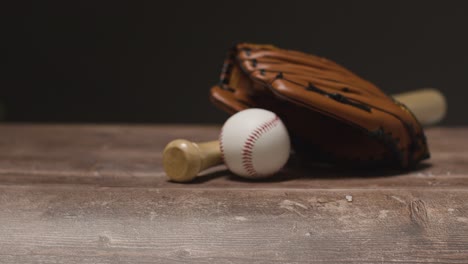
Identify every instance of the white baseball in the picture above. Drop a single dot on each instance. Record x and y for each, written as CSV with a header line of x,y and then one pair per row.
x,y
254,143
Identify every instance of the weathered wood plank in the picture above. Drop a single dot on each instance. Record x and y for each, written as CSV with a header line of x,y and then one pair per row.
x,y
70,224
131,156
97,194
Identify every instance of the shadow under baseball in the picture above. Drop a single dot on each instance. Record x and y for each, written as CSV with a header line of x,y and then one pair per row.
x,y
323,171
310,171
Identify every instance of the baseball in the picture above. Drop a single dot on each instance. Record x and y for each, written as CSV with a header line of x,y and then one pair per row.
x,y
254,143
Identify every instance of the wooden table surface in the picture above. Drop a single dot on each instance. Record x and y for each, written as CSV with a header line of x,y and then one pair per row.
x,y
98,194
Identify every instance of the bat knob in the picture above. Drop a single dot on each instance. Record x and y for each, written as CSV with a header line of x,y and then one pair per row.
x,y
428,105
183,160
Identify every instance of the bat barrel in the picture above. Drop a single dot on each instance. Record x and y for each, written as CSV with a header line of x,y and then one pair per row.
x,y
183,159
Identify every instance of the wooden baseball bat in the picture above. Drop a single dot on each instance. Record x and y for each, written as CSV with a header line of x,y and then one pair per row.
x,y
183,160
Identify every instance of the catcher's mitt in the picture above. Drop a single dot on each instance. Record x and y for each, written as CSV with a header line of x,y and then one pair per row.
x,y
330,112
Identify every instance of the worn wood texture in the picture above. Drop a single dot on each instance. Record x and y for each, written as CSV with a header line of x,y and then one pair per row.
x,y
97,194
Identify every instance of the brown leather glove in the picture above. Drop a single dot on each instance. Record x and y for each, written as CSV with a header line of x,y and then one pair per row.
x,y
331,113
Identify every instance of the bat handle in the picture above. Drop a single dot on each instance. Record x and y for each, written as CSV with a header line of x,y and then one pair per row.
x,y
428,105
183,159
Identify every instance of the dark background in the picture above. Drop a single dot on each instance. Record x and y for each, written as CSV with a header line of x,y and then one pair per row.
x,y
155,61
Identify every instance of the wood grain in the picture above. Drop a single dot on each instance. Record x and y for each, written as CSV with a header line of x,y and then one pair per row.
x,y
131,156
97,194
70,224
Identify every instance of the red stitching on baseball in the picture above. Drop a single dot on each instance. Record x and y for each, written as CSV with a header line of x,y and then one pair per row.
x,y
221,147
249,144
